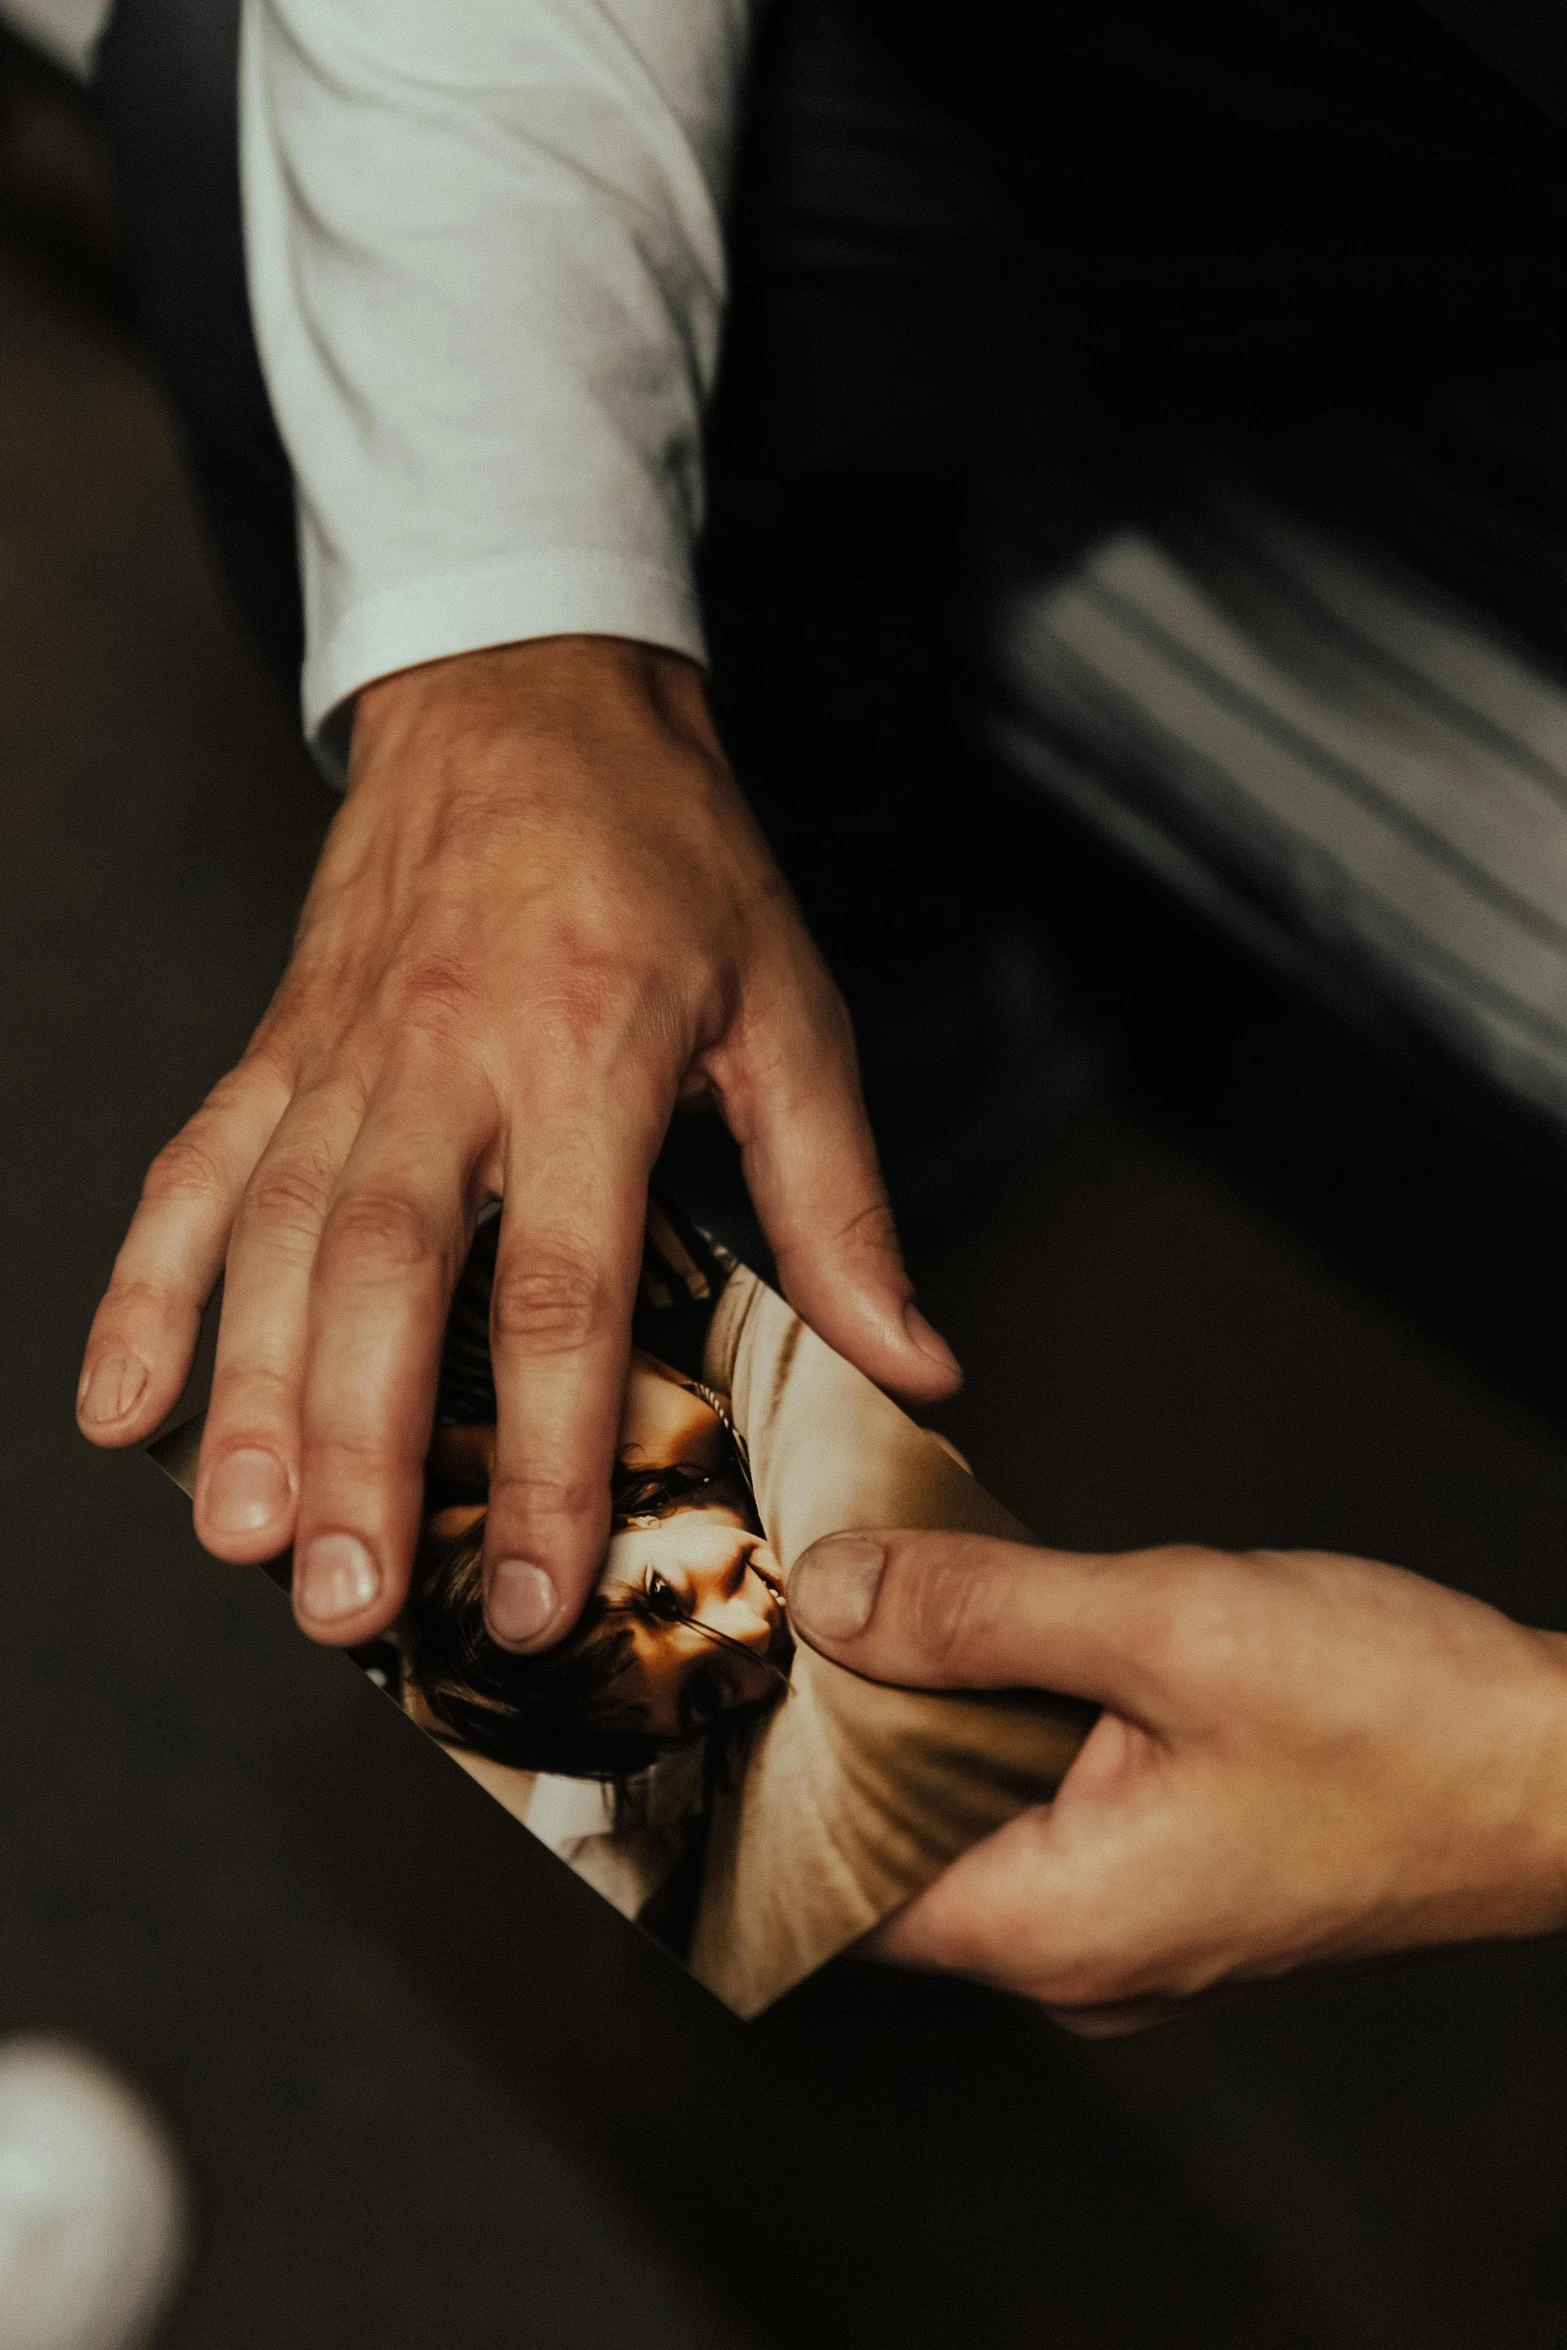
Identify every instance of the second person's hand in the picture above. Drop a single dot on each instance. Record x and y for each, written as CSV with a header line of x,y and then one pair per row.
x,y
1302,1759
542,916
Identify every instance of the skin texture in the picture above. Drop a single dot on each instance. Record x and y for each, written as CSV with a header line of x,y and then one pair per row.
x,y
542,916
1303,1759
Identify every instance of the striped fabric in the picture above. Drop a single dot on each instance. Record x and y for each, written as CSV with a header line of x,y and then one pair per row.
x,y
1325,752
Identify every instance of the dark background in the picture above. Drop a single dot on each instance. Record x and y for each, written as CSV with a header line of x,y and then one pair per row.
x,y
1217,1271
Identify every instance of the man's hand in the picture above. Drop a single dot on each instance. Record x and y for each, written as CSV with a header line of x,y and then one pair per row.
x,y
1302,1759
542,915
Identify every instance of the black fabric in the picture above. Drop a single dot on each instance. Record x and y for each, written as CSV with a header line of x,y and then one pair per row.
x,y
1525,40
1237,184
167,82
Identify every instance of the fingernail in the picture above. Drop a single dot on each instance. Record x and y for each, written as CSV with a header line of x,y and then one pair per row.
x,y
245,1492
110,1388
833,1588
521,1601
930,1342
335,1578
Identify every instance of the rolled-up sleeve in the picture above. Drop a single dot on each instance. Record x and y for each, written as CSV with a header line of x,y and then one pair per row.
x,y
487,270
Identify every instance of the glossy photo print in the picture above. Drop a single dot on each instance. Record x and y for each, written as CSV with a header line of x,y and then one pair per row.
x,y
752,1806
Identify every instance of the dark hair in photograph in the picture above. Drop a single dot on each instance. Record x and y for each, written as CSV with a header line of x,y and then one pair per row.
x,y
555,1712
558,1712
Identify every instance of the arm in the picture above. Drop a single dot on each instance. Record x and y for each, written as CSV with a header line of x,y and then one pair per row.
x,y
486,264
1302,1759
488,283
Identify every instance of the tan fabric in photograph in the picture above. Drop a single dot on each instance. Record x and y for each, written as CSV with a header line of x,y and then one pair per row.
x,y
853,1796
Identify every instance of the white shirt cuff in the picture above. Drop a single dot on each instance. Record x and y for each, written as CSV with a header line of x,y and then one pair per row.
x,y
501,602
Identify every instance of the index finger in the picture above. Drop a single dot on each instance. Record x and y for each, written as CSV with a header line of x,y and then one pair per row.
x,y
965,1611
144,1331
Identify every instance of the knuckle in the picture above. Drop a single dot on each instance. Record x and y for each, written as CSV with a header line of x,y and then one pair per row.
x,y
372,1233
1082,1975
606,1010
832,1019
186,1172
287,1203
133,1299
873,1232
947,1600
435,998
250,1398
266,1072
518,1495
1057,1937
575,1016
1078,1948
343,1461
548,1302
1196,1607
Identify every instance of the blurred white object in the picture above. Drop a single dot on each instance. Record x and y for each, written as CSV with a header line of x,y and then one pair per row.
x,y
1345,765
94,2211
67,29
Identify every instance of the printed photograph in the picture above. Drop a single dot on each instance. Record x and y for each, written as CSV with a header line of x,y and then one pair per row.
x,y
753,1807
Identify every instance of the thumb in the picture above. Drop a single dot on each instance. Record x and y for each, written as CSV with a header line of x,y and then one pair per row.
x,y
965,1611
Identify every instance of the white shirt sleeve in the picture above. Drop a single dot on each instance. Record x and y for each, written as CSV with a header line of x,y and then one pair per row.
x,y
487,270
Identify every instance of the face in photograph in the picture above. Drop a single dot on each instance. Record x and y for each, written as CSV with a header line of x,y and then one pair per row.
x,y
686,1631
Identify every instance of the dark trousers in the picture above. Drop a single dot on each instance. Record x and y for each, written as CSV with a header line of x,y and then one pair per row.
x,y
167,83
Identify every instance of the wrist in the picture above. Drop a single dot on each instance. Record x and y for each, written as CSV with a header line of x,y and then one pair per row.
x,y
565,688
1495,1841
